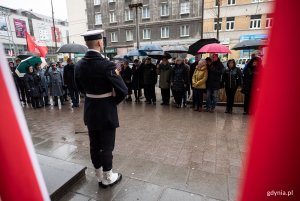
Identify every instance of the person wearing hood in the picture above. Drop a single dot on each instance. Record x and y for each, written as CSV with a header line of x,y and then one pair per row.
x,y
33,86
56,84
199,84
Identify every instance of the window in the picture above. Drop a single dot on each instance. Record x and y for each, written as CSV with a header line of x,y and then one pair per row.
x,y
128,15
164,9
129,35
145,12
98,19
96,2
185,8
255,22
114,37
184,30
164,32
217,2
111,1
269,21
112,17
231,2
146,34
216,24
256,1
229,23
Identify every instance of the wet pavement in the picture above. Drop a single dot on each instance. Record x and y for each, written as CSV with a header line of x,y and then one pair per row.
x,y
164,153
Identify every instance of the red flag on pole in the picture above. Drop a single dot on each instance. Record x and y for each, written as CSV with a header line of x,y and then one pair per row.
x,y
35,47
272,165
20,174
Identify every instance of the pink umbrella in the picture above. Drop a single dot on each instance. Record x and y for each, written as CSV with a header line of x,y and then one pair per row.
x,y
214,48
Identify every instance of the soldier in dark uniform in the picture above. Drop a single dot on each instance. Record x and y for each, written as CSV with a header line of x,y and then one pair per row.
x,y
104,88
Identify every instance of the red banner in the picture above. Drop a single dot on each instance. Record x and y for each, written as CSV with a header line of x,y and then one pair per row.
x,y
272,166
20,174
35,47
56,33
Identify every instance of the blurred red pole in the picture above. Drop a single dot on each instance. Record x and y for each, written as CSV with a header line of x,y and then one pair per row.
x,y
272,164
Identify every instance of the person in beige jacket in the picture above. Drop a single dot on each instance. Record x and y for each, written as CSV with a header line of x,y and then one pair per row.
x,y
198,81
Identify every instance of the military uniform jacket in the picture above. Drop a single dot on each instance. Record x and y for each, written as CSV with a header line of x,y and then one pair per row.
x,y
96,75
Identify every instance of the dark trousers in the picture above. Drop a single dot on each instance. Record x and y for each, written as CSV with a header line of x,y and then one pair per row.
x,y
24,93
178,95
55,99
44,100
149,91
165,94
198,98
230,93
137,93
247,100
74,96
35,102
102,144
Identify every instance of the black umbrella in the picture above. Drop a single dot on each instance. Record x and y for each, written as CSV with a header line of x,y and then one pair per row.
x,y
193,49
121,57
72,48
249,44
159,55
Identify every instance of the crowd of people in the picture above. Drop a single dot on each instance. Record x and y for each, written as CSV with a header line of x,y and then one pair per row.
x,y
178,78
39,83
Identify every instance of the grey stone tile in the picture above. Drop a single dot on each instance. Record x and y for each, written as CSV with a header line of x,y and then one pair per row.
x,y
64,151
138,168
74,197
88,186
171,176
233,186
138,190
47,147
209,184
178,195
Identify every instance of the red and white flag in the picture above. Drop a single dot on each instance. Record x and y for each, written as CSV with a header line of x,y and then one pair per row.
x,y
35,46
272,164
20,174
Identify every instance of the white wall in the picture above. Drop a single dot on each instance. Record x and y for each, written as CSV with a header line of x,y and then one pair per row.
x,y
77,19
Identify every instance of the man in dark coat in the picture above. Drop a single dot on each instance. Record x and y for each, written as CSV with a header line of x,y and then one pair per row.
x,y
69,81
25,95
150,79
213,83
104,88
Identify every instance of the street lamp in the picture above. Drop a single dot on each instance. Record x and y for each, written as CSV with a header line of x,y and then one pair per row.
x,y
136,6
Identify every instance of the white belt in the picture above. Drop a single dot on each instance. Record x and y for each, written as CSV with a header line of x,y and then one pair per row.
x,y
109,94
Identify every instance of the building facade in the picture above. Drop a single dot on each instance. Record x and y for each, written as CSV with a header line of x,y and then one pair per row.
x,y
14,24
239,20
163,22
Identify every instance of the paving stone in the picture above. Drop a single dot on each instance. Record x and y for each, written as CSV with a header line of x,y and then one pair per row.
x,y
209,184
139,190
178,195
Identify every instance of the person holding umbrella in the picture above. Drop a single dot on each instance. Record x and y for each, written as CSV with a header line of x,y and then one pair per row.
x,y
232,78
33,86
25,96
56,84
213,83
